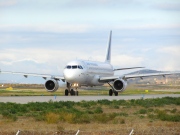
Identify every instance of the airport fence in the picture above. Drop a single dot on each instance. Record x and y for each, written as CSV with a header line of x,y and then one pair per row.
x,y
163,129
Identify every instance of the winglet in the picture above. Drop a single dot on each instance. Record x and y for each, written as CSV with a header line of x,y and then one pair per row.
x,y
108,55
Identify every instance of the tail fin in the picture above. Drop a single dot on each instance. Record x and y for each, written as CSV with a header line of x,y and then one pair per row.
x,y
108,55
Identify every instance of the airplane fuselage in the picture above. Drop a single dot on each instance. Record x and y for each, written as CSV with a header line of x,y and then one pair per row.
x,y
87,73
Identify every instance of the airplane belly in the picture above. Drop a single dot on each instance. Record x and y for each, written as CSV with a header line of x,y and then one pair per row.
x,y
86,79
95,80
81,79
91,80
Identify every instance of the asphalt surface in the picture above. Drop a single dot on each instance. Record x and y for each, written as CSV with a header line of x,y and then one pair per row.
x,y
26,99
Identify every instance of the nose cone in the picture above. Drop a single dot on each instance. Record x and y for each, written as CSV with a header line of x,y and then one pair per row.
x,y
70,75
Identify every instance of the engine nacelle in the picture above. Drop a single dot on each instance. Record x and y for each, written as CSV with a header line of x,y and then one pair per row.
x,y
119,85
51,85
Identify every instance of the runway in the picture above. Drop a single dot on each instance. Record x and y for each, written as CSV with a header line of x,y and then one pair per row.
x,y
26,99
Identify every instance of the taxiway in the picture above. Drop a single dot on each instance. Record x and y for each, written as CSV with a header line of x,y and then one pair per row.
x,y
26,99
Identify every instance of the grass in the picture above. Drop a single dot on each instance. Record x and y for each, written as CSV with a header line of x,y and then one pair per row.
x,y
103,115
38,90
70,112
64,115
60,92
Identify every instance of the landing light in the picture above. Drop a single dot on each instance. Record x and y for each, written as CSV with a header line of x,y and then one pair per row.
x,y
75,84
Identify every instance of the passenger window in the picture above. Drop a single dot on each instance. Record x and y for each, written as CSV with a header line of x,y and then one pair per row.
x,y
74,67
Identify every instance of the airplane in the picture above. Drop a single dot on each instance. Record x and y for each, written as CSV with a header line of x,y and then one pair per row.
x,y
79,73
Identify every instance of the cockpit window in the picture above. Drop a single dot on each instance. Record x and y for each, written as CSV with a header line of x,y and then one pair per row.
x,y
74,67
68,67
80,67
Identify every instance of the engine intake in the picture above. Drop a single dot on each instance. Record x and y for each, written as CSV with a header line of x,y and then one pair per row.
x,y
119,85
51,85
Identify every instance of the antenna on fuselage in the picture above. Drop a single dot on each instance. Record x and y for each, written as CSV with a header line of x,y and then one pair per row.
x,y
108,55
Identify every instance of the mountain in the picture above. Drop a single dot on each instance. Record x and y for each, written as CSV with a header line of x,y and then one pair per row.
x,y
144,71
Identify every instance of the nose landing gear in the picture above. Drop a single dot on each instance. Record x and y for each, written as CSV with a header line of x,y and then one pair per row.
x,y
70,91
74,92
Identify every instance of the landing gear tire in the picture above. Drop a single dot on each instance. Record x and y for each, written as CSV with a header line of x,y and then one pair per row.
x,y
76,93
115,93
66,92
110,92
72,92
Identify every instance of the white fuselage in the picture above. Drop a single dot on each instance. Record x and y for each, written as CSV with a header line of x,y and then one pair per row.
x,y
87,73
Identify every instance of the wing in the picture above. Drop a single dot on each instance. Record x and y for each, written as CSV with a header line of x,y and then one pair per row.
x,y
127,68
151,74
125,77
44,76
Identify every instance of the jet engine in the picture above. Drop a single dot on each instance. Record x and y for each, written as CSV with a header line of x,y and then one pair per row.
x,y
119,85
51,85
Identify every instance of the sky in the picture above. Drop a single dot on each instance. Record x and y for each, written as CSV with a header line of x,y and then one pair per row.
x,y
42,36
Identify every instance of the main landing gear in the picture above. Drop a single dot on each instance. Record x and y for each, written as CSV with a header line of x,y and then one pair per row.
x,y
70,91
112,91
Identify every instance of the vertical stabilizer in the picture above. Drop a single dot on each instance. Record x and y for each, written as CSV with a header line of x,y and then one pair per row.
x,y
108,55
